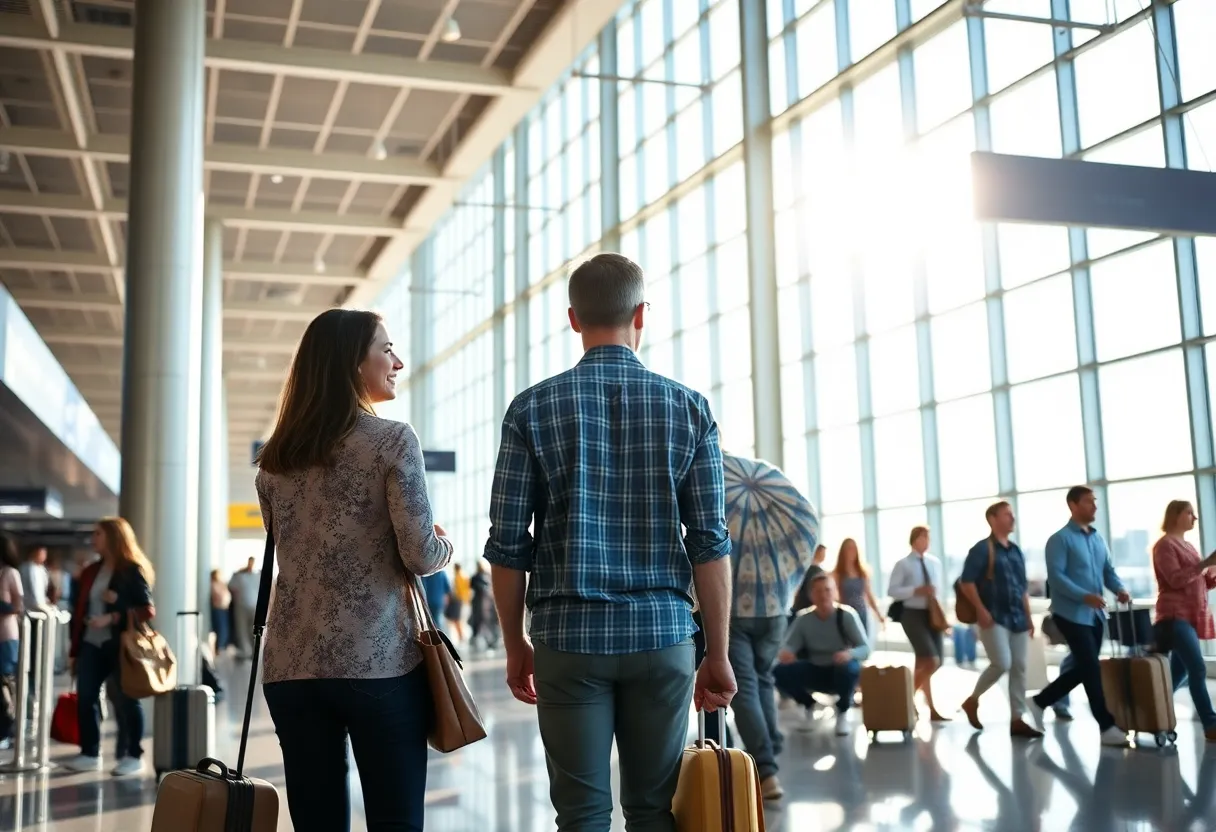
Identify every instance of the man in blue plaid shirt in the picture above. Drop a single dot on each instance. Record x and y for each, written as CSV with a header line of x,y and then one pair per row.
x,y
598,471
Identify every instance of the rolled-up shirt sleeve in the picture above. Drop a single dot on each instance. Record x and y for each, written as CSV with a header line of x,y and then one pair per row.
x,y
512,502
702,500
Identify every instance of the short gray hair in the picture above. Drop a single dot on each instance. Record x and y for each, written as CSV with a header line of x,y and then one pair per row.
x,y
606,290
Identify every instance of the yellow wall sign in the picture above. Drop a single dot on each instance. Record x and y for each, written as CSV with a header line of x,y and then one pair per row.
x,y
244,516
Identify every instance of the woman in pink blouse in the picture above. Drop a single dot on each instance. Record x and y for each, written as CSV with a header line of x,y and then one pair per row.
x,y
1183,617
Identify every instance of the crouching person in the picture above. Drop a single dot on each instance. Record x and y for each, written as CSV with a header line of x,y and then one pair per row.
x,y
823,653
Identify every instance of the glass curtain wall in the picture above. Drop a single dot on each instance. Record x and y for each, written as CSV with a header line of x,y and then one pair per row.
x,y
929,364
954,363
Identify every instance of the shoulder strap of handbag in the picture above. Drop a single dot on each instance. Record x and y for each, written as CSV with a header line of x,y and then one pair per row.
x,y
259,625
991,557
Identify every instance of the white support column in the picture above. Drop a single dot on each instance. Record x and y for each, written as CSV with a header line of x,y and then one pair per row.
x,y
162,350
213,443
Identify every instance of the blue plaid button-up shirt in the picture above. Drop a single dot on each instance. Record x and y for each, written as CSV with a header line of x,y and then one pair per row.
x,y
598,469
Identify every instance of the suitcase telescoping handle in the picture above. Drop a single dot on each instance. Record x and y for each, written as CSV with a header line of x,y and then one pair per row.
x,y
1116,636
720,713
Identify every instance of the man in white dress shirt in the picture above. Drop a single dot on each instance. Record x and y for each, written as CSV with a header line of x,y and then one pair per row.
x,y
916,582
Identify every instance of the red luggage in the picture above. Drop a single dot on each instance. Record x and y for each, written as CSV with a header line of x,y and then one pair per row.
x,y
65,722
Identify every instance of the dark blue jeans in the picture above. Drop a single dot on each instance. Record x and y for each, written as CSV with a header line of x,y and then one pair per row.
x,y
94,665
1187,665
387,721
221,622
1084,643
798,680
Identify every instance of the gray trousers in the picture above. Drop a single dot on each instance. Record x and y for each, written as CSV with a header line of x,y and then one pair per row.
x,y
242,629
585,700
754,645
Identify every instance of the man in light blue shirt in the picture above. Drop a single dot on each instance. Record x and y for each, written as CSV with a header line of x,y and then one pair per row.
x,y
1078,570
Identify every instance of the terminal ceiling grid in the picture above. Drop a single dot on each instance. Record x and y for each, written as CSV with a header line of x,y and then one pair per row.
x,y
327,121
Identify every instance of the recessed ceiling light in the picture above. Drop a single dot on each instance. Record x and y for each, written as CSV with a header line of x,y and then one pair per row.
x,y
276,178
379,151
451,31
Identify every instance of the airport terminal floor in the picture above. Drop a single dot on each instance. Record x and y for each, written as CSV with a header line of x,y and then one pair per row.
x,y
946,778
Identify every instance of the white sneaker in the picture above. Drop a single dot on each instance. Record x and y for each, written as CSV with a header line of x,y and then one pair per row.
x,y
843,728
1114,737
127,766
83,763
807,724
1035,713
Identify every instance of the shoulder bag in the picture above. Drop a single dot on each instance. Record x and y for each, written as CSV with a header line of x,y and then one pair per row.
x,y
457,722
147,666
937,616
964,610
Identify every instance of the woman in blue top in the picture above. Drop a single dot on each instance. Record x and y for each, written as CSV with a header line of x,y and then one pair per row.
x,y
994,580
852,576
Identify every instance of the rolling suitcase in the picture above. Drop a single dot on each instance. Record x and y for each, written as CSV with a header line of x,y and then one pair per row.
x,y
719,788
212,797
1139,690
886,700
183,722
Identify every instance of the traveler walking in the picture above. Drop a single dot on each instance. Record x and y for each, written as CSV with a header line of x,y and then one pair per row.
x,y
12,607
1183,616
774,530
114,589
1078,569
458,598
915,582
243,589
344,494
852,577
994,580
599,470
221,603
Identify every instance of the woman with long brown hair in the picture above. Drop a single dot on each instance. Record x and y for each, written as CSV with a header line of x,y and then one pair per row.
x,y
852,575
114,588
344,494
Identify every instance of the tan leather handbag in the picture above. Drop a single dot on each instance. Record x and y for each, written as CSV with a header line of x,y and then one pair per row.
x,y
457,722
147,666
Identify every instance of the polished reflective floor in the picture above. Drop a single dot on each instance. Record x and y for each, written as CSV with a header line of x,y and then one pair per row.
x,y
947,778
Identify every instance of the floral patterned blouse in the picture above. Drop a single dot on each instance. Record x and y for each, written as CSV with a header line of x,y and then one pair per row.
x,y
345,538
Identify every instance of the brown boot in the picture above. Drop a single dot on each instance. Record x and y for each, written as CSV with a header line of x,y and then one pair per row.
x,y
1020,728
971,707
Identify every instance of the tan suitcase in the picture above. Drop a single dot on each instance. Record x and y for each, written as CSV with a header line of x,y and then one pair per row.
x,y
1139,694
886,700
211,798
719,788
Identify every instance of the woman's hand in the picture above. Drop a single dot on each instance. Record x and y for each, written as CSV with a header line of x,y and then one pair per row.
x,y
110,596
100,622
